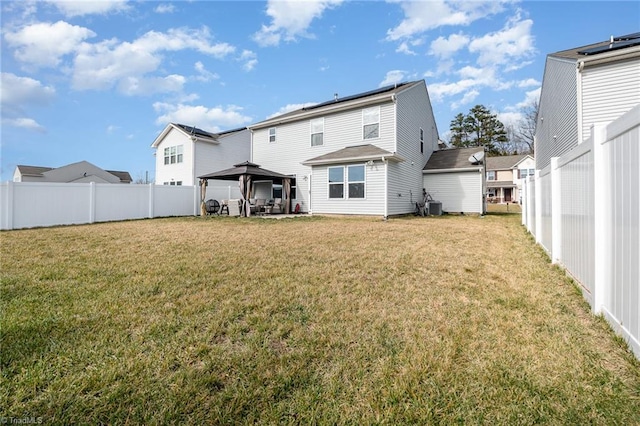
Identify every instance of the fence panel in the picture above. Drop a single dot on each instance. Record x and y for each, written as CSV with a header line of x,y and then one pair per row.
x,y
546,204
176,201
121,202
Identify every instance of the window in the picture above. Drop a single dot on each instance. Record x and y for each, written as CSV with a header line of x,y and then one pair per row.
x,y
355,174
173,154
355,181
336,182
371,123
523,173
272,134
421,141
276,191
491,175
173,183
294,187
317,132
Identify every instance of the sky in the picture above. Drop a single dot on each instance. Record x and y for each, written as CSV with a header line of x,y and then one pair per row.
x,y
98,81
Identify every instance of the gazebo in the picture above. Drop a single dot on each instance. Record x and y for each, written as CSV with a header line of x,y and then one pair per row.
x,y
244,173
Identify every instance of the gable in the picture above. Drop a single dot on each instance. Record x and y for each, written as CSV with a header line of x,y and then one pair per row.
x,y
79,172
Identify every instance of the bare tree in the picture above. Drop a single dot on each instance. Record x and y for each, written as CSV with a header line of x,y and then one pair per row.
x,y
523,134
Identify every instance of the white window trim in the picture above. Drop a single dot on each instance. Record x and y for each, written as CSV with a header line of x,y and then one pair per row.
x,y
364,111
274,135
175,151
329,183
345,182
494,174
364,182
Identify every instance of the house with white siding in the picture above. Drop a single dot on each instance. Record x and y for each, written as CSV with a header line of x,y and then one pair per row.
x,y
585,86
80,172
185,152
455,178
360,154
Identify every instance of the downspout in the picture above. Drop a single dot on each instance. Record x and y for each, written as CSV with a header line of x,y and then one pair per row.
x,y
579,68
193,161
386,189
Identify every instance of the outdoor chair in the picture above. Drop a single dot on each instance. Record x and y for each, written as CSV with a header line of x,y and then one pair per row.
x,y
277,206
234,207
212,206
224,206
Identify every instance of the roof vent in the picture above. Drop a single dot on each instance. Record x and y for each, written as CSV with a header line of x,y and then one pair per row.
x,y
335,96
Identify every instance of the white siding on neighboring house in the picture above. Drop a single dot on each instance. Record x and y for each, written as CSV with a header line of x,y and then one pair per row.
x,y
405,183
556,129
178,172
608,91
459,192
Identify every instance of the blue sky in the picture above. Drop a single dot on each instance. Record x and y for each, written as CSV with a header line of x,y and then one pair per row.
x,y
98,81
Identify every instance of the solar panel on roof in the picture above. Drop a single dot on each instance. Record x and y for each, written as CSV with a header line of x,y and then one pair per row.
x,y
358,96
616,45
627,37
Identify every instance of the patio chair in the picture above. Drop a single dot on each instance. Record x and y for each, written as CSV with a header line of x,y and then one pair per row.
x,y
234,207
278,208
224,206
212,206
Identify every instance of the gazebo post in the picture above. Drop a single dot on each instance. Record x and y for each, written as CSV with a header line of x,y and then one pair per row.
x,y
203,195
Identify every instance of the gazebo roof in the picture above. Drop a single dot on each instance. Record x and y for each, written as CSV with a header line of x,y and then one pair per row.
x,y
241,169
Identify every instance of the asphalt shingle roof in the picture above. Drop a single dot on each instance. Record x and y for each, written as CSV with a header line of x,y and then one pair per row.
x,y
504,162
353,153
452,158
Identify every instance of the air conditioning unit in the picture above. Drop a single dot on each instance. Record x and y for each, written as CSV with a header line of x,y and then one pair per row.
x,y
435,208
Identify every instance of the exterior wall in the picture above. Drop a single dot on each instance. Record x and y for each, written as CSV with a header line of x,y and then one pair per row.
x,y
558,111
609,91
459,192
405,181
372,204
293,146
179,172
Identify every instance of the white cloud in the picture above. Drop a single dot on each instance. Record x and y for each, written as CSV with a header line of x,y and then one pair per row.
x,y
213,119
250,60
24,123
421,16
22,91
203,74
71,8
392,77
531,97
165,8
133,86
468,98
291,107
513,42
446,47
438,91
102,65
404,48
44,44
530,82
291,19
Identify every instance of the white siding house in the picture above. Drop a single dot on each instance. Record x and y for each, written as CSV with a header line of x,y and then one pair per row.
x,y
505,175
583,86
80,172
361,154
184,152
455,177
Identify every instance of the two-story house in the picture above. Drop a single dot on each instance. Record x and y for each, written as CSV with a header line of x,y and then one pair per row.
x,y
80,172
185,152
505,175
360,154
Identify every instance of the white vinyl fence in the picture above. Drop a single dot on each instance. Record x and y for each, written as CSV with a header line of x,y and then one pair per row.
x,y
584,209
34,204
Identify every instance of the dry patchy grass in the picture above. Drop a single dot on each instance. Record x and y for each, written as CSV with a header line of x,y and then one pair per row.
x,y
306,320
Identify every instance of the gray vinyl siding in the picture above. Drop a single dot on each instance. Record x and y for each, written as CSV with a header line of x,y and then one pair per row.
x,y
293,146
372,204
558,112
232,149
405,181
459,192
609,91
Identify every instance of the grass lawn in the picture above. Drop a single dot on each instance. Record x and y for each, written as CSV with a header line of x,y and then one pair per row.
x,y
452,319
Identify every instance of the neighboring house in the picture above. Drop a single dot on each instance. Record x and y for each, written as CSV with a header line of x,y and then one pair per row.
x,y
80,172
505,175
455,177
361,154
185,152
593,84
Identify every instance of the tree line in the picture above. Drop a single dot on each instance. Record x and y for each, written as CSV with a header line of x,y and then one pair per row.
x,y
482,128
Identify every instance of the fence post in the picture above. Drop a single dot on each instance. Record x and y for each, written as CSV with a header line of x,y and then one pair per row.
x,y
538,212
92,202
602,218
151,200
525,202
556,212
7,206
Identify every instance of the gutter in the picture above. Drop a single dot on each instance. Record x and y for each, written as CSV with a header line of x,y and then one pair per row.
x,y
465,169
393,157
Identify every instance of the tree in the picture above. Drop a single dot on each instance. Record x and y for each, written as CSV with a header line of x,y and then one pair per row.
x,y
479,128
525,131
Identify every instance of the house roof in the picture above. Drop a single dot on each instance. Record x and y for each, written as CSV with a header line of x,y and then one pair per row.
x,y
371,96
505,162
124,177
241,169
592,51
195,133
353,154
500,184
452,158
32,170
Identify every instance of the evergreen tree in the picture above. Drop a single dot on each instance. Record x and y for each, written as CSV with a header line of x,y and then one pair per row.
x,y
479,128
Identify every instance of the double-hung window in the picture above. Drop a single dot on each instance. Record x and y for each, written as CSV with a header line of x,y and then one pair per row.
x,y
371,123
173,154
491,175
272,134
355,180
317,131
